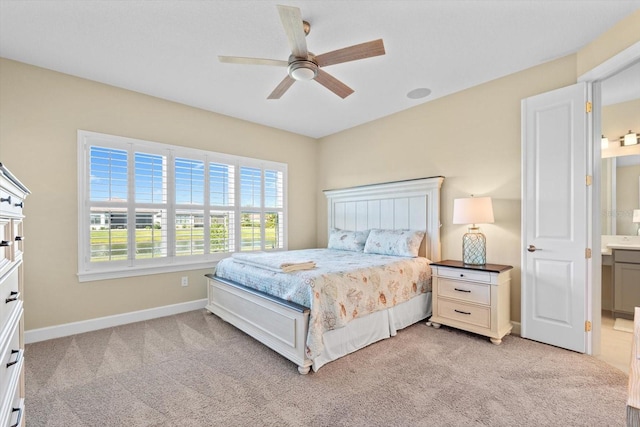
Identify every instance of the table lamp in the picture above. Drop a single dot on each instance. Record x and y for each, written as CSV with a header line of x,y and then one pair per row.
x,y
472,211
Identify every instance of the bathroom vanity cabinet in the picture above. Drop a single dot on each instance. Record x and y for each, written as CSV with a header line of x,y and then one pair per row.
x,y
626,282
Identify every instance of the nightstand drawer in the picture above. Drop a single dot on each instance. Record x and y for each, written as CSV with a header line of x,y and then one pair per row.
x,y
462,274
472,314
465,291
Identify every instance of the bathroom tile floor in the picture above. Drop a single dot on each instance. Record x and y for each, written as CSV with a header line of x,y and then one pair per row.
x,y
615,346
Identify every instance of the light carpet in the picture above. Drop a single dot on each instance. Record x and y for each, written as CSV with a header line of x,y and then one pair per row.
x,y
624,325
193,369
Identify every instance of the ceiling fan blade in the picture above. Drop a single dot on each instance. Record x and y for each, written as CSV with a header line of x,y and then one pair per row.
x,y
333,84
292,22
351,53
281,88
252,61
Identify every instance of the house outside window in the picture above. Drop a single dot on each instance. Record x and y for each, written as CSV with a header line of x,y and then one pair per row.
x,y
147,207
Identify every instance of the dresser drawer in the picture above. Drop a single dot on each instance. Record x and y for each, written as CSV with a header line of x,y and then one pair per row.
x,y
468,313
458,273
16,412
12,409
17,236
9,295
10,360
464,291
5,245
10,204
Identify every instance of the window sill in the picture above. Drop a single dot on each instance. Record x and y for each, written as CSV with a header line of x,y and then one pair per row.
x,y
91,276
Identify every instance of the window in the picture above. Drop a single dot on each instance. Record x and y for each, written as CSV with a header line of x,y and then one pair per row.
x,y
146,207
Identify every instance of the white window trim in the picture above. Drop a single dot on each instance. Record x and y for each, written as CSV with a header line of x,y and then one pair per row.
x,y
88,271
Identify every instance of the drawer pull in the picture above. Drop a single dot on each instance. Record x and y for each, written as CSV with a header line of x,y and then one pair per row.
x,y
19,238
18,354
5,243
19,205
462,290
19,411
462,312
13,296
461,275
5,199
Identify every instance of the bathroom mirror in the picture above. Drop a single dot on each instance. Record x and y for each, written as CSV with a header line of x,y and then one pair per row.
x,y
620,194
620,165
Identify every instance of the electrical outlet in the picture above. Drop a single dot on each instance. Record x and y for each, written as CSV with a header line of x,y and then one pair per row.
x,y
185,281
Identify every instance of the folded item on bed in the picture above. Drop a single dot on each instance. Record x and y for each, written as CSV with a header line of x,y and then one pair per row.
x,y
344,285
285,262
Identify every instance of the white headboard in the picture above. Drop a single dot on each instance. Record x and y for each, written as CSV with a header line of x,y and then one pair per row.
x,y
412,204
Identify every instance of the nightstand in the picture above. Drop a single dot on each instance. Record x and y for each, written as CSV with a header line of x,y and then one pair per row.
x,y
474,298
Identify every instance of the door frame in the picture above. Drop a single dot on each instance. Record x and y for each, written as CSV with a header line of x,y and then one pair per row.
x,y
594,78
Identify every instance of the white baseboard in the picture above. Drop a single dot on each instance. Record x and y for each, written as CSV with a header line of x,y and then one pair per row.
x,y
59,331
516,328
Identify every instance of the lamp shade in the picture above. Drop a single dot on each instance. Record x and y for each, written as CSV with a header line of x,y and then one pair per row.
x,y
473,210
636,215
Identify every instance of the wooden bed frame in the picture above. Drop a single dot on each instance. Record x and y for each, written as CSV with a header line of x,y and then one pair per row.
x,y
283,325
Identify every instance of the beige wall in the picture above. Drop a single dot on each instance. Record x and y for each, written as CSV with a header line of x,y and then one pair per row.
x,y
618,119
472,138
619,37
41,111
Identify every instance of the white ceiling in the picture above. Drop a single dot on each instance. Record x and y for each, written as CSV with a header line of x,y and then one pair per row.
x,y
169,49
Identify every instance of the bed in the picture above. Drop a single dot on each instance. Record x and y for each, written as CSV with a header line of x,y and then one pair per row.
x,y
282,321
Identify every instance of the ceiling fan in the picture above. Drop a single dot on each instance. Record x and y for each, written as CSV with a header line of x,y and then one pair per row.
x,y
304,65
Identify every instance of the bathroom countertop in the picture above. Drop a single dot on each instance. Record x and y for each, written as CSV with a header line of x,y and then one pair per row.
x,y
628,246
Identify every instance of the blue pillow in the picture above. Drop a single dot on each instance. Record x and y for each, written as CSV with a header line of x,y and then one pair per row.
x,y
394,242
347,240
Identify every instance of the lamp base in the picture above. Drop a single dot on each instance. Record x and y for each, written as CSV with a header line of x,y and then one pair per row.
x,y
474,248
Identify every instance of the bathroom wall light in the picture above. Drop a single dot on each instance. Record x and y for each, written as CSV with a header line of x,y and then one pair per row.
x,y
629,139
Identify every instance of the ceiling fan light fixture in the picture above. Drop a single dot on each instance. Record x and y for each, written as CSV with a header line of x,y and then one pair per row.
x,y
303,70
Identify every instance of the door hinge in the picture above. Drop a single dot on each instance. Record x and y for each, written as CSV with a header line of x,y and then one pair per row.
x,y
589,179
588,106
587,326
587,253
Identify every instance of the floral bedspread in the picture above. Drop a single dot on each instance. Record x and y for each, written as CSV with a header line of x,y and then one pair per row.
x,y
343,286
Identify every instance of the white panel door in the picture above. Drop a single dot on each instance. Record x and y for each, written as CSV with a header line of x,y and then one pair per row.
x,y
554,217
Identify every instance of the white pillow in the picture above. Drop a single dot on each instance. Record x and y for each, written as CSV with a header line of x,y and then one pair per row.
x,y
347,240
394,242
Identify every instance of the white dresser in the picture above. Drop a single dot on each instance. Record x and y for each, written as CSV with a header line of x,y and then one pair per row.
x,y
12,195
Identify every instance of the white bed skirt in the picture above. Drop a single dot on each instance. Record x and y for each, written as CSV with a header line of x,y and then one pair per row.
x,y
283,326
374,327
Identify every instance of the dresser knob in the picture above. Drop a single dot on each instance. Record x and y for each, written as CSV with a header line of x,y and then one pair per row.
x,y
5,199
461,275
5,243
18,205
